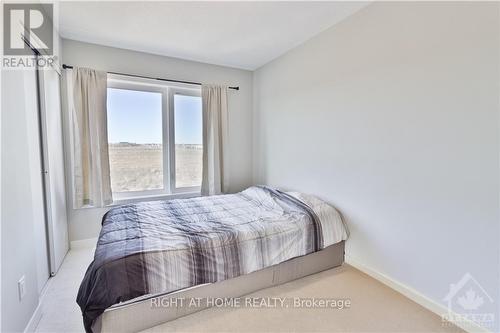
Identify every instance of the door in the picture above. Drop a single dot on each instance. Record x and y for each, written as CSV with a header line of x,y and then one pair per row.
x,y
33,128
50,103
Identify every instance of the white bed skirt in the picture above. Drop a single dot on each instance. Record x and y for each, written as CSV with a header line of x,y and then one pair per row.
x,y
142,314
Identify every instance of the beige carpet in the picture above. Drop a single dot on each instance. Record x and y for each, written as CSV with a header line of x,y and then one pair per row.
x,y
374,307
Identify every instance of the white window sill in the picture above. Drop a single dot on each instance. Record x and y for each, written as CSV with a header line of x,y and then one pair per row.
x,y
121,201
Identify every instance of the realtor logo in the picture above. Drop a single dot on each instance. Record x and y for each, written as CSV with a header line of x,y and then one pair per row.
x,y
466,300
26,23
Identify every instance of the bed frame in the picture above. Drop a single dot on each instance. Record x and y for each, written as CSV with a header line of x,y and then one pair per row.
x,y
142,314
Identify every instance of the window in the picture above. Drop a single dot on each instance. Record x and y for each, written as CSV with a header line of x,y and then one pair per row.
x,y
187,160
155,138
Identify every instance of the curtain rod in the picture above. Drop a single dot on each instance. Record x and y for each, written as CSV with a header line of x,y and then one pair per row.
x,y
152,78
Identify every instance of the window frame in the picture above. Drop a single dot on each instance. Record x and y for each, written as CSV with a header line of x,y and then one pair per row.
x,y
167,92
172,91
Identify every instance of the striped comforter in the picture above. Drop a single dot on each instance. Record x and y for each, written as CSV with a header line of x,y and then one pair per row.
x,y
161,246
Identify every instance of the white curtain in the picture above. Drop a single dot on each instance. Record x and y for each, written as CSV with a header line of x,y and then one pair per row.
x,y
215,140
87,92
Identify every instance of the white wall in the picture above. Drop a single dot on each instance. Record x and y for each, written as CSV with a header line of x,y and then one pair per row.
x,y
23,229
393,116
85,223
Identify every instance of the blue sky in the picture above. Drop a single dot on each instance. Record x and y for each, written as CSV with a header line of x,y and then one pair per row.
x,y
188,120
135,116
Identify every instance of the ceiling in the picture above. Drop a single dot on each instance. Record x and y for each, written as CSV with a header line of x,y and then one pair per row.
x,y
244,35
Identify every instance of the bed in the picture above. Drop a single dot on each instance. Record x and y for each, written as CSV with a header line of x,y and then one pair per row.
x,y
218,246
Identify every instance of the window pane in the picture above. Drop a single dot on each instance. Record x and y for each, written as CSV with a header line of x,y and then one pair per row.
x,y
135,140
188,140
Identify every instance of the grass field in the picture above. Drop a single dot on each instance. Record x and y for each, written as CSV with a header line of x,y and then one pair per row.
x,y
139,167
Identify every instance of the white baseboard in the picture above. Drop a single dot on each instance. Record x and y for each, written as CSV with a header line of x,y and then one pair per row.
x,y
83,243
34,320
417,297
37,314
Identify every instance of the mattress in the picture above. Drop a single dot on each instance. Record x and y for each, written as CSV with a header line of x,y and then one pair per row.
x,y
158,247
